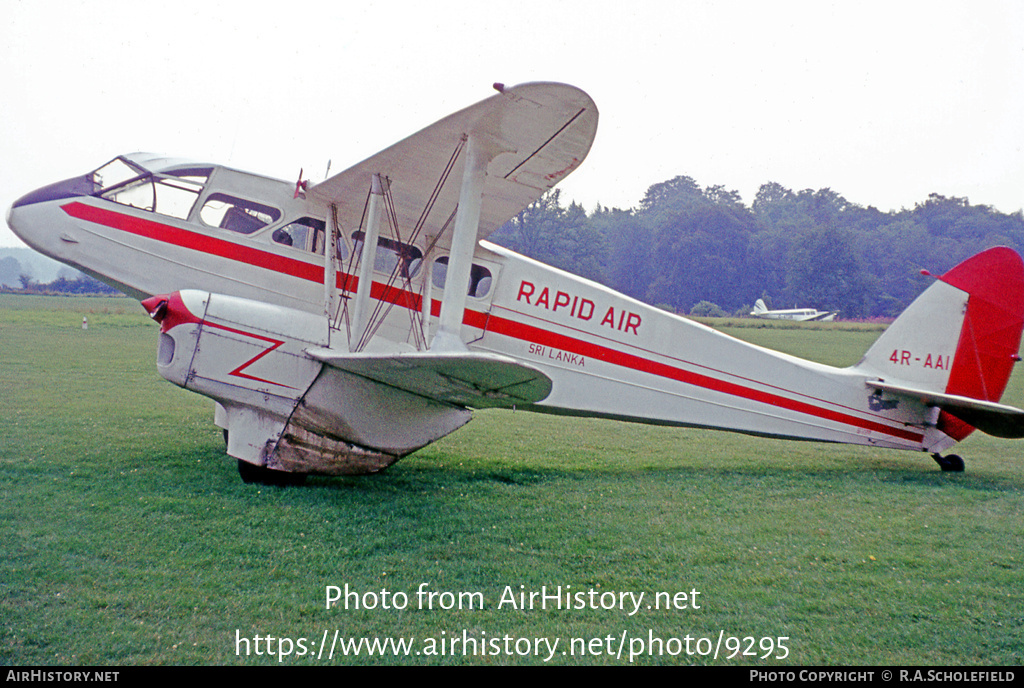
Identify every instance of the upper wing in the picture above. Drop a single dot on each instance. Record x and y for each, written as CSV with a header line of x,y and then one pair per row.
x,y
998,420
477,380
546,130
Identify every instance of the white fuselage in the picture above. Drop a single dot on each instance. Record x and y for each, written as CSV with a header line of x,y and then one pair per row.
x,y
608,355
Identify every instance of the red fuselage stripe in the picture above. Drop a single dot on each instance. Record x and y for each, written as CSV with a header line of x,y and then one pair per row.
x,y
195,241
517,330
492,323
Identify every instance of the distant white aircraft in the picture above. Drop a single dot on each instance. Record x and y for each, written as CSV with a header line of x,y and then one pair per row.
x,y
342,325
801,314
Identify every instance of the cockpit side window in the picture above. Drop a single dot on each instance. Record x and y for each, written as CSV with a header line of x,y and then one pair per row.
x,y
237,214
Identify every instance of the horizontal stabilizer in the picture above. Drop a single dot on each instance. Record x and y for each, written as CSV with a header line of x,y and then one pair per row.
x,y
476,380
993,419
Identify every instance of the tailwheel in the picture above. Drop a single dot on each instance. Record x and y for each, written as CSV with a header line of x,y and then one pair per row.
x,y
261,475
952,463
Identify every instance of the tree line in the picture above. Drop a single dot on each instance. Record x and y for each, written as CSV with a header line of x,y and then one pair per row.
x,y
70,282
686,245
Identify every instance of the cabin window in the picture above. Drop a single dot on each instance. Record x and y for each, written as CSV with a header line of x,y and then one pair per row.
x,y
237,214
172,194
392,255
299,234
479,277
307,234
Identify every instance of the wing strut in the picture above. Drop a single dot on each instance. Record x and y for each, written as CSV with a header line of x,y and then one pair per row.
x,y
368,259
464,239
331,267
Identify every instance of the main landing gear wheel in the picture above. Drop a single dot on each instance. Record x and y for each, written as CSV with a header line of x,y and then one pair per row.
x,y
261,475
951,463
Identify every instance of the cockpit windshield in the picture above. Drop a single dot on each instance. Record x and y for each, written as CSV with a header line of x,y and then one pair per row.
x,y
172,193
115,173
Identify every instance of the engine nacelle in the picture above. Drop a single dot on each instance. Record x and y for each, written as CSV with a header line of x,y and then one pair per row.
x,y
282,408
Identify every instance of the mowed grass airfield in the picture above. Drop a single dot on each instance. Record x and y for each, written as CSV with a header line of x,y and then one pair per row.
x,y
127,536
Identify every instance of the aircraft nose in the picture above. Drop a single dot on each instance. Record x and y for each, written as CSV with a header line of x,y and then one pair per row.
x,y
68,188
14,216
39,223
29,220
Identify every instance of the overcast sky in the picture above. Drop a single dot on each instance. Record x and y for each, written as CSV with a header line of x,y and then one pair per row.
x,y
884,102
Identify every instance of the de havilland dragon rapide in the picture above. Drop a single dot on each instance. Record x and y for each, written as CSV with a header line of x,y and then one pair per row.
x,y
339,326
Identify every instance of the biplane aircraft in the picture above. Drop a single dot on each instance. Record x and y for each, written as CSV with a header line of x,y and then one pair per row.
x,y
342,325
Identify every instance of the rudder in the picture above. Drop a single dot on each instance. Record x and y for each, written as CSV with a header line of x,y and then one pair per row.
x,y
961,336
991,332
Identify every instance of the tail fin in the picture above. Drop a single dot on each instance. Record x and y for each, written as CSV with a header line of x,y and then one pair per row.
x,y
759,307
960,337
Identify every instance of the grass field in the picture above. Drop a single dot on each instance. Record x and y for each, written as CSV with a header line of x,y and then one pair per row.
x,y
127,537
